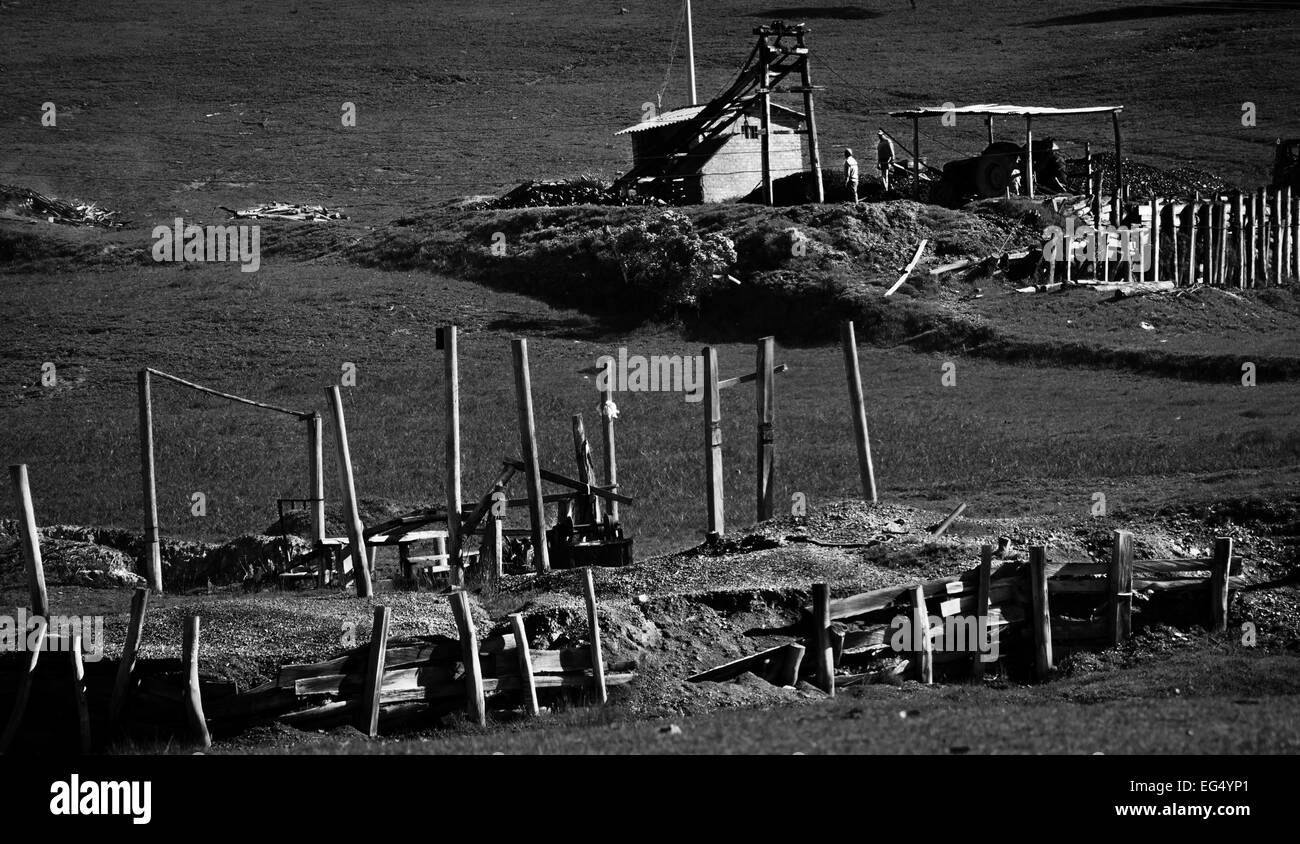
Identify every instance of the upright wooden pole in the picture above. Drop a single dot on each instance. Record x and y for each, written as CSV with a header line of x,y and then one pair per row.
x,y
1261,238
593,631
36,644
316,478
823,656
1029,156
1120,583
765,388
347,484
1239,221
476,706
126,665
988,122
528,443
152,544
78,667
1173,242
607,413
1295,238
1211,244
814,148
1041,620
1251,252
1155,239
193,696
373,682
1220,571
586,510
923,653
1279,234
497,540
713,445
982,593
30,541
858,411
916,158
765,98
451,386
1192,211
525,659
1119,169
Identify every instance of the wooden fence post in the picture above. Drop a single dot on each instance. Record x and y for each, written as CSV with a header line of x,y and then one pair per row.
x,y
1223,244
823,657
193,696
1175,263
1261,239
1275,227
1239,220
766,403
528,443
1295,238
316,479
1155,239
126,665
497,539
924,658
356,531
1220,570
1193,210
713,483
525,659
982,604
25,684
451,387
1041,620
593,630
373,682
607,413
79,693
476,706
858,411
30,541
152,544
1120,582
586,507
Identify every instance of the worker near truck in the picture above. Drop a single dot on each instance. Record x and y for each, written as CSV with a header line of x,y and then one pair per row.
x,y
884,157
851,174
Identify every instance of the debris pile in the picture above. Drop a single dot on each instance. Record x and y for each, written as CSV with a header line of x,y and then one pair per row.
x,y
25,202
285,211
1143,180
557,194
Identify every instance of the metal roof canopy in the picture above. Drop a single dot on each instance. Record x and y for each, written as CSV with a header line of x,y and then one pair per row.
x,y
680,115
992,109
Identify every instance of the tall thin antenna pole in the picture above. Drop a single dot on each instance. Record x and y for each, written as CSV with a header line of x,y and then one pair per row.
x,y
690,53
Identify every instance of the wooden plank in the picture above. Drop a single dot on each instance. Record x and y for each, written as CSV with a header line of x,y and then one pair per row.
x,y
756,662
907,271
1219,583
528,444
785,670
352,515
148,477
823,658
924,658
1071,569
24,684
713,495
474,689
125,665
525,664
952,517
368,712
549,661
1041,624
593,631
193,695
500,684
471,522
580,487
765,400
982,601
79,693
1120,583
607,412
728,383
451,449
29,541
858,411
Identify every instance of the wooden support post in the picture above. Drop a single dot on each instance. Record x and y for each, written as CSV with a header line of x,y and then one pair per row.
x,y
316,478
593,631
982,606
586,511
1155,239
607,413
814,149
1117,200
1041,619
497,540
823,655
1098,228
78,666
1029,156
988,121
193,696
1120,583
858,411
30,541
152,544
1252,251
525,658
923,644
476,706
1221,255
373,682
1278,236
765,388
36,644
1192,211
765,97
528,443
1259,276
1210,244
1239,221
1173,243
1295,239
1220,569
916,158
347,484
451,387
713,445
126,665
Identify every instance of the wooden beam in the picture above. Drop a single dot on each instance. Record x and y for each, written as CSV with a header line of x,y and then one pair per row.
x,y
524,656
316,478
1029,156
765,398
952,517
126,665
713,445
193,696
773,664
858,411
923,658
1040,621
572,483
823,658
593,631
79,694
347,484
451,447
476,706
1120,580
907,271
982,603
528,444
1219,572
152,545
607,412
37,644
727,383
586,509
368,711
29,540
765,102
1118,198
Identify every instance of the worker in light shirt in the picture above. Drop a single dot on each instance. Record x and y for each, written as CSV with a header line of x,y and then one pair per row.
x,y
851,174
884,157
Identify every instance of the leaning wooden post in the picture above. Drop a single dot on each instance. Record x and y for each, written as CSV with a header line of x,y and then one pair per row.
x,y
36,645
713,445
608,412
356,531
1193,209
525,660
152,545
30,541
823,656
193,696
528,443
593,631
126,665
373,682
1120,583
1155,239
475,704
1041,620
451,385
766,451
858,410
982,589
316,477
586,509
1119,168
79,693
1220,571
922,643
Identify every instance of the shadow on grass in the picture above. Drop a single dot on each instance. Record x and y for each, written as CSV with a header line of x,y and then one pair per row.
x,y
1147,11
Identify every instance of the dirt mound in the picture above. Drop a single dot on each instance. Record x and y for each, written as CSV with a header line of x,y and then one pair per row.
x,y
70,562
1146,181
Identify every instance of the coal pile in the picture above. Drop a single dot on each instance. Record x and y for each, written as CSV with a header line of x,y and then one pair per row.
x,y
559,194
1145,181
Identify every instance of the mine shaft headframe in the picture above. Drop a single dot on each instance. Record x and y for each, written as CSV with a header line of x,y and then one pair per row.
x,y
779,30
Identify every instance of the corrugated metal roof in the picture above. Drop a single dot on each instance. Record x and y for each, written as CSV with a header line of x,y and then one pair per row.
x,y
680,115
994,108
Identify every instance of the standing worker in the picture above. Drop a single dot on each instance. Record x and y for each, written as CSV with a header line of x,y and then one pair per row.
x,y
851,174
884,157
